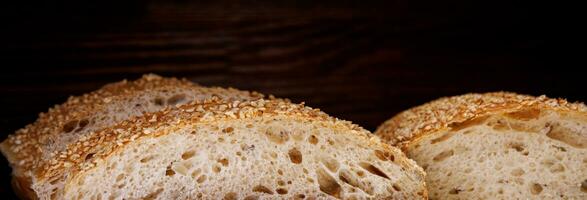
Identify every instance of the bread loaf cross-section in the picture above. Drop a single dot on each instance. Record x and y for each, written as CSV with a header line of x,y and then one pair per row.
x,y
231,150
496,146
163,138
83,115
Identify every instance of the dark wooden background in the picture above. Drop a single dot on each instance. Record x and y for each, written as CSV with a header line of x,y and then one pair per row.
x,y
361,61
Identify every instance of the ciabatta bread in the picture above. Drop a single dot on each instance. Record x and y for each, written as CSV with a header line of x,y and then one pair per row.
x,y
496,146
231,150
83,115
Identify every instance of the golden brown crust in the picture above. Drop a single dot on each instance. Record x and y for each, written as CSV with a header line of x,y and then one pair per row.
x,y
439,114
24,149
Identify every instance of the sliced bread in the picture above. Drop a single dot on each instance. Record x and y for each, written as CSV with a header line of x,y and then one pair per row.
x,y
231,150
81,116
496,146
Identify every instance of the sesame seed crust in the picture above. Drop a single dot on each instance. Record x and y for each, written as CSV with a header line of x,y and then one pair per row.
x,y
438,114
107,141
25,148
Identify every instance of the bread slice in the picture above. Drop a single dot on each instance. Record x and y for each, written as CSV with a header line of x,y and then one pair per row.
x,y
82,115
263,149
496,146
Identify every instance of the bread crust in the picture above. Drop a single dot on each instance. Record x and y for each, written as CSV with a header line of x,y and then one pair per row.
x,y
410,125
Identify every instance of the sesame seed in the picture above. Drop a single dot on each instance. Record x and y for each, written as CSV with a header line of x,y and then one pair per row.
x,y
147,131
153,119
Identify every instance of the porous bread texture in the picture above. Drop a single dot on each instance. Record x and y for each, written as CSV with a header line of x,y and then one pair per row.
x,y
80,116
520,148
232,150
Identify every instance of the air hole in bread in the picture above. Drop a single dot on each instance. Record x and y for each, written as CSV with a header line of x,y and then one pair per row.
x,y
519,147
348,178
313,139
280,172
146,159
454,191
535,188
251,197
557,168
154,195
384,156
567,136
262,189
281,191
548,162
280,183
455,126
169,171
188,154
360,173
330,142
216,169
584,186
89,156
228,130
196,172
517,172
330,163
300,196
83,123
441,138
498,125
373,170
158,101
328,184
396,187
120,177
230,196
295,156
278,137
201,179
443,155
69,126
562,149
176,99
223,161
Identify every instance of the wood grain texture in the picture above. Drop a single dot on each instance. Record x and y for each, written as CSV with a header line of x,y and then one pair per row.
x,y
358,61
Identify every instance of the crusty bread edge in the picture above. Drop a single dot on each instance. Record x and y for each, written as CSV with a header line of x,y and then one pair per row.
x,y
409,126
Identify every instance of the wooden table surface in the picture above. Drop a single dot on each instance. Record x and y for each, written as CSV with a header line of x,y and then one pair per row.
x,y
362,62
